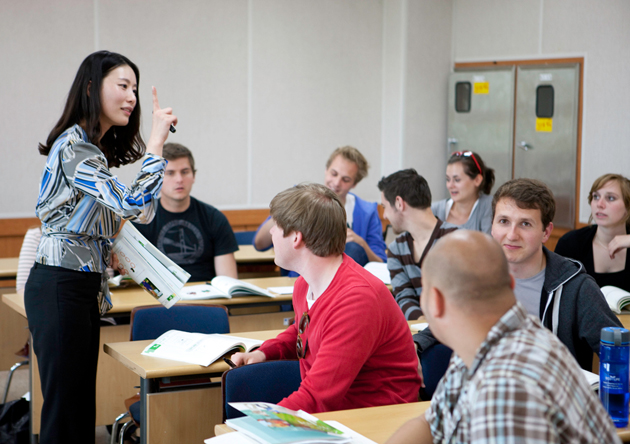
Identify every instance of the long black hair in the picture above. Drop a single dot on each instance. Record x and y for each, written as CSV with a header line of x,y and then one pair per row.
x,y
121,144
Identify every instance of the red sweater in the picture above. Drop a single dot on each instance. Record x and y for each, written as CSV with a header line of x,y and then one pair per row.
x,y
360,350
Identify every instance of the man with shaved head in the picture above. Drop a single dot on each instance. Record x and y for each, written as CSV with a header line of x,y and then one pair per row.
x,y
510,379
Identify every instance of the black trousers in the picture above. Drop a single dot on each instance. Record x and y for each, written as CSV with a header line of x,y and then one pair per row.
x,y
63,317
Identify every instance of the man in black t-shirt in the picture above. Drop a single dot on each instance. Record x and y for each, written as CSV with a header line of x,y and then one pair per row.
x,y
195,235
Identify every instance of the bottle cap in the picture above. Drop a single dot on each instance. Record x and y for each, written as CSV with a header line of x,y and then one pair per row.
x,y
615,336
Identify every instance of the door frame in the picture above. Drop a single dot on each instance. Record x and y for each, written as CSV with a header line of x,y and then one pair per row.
x,y
542,62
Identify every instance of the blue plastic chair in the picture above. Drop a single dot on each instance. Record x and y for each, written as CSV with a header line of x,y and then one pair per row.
x,y
434,362
269,381
244,237
149,322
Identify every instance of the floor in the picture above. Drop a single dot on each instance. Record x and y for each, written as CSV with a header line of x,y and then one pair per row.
x,y
19,386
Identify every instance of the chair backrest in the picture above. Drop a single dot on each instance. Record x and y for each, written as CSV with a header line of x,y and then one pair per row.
x,y
244,237
434,362
269,381
149,322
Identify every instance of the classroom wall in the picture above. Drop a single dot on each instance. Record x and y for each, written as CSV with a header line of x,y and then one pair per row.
x,y
486,30
264,90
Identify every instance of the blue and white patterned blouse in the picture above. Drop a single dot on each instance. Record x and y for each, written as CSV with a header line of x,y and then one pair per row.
x,y
81,204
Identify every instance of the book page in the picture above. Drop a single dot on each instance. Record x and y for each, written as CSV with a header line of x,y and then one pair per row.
x,y
591,378
248,343
131,232
616,297
379,269
194,348
281,290
233,286
200,292
149,276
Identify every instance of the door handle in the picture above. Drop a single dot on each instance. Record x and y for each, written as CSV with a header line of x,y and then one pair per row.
x,y
449,144
525,146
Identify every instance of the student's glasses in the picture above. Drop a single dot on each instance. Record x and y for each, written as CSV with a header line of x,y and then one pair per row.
x,y
467,154
301,347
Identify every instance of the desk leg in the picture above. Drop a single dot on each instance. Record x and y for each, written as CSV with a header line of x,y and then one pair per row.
x,y
34,439
146,386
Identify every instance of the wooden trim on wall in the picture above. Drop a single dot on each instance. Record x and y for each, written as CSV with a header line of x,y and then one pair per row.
x,y
12,231
555,61
246,220
486,65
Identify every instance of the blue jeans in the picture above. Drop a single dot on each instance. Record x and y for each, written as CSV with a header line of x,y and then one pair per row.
x,y
356,252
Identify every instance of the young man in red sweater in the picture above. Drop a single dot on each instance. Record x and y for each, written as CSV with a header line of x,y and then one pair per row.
x,y
353,342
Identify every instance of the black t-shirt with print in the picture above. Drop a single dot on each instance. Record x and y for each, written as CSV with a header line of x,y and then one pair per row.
x,y
192,238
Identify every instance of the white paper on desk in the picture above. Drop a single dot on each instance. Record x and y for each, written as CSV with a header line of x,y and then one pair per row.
x,y
356,437
379,269
281,290
231,438
420,326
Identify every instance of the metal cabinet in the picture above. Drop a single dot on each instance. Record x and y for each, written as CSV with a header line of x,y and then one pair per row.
x,y
523,121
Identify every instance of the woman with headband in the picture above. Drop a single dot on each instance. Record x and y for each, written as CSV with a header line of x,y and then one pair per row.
x,y
469,182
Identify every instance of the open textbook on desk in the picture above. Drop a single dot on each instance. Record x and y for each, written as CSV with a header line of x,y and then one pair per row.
x,y
223,287
271,424
617,298
148,266
197,348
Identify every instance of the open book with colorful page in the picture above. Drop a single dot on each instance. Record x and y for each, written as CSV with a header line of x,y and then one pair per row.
x,y
271,424
223,287
197,348
148,266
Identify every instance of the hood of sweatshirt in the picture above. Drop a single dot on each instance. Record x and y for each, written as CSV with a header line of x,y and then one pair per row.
x,y
559,270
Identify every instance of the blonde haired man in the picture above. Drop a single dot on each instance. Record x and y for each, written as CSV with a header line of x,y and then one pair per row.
x,y
345,168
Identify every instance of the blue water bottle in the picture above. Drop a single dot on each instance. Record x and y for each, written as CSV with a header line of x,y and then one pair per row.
x,y
614,371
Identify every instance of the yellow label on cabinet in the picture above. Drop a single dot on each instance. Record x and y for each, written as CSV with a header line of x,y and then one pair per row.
x,y
481,88
544,125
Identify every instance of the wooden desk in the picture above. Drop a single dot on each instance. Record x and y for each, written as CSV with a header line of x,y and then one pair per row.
x,y
8,268
379,423
115,383
252,263
185,415
247,254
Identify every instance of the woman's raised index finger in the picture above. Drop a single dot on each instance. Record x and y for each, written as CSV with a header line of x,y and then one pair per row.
x,y
156,104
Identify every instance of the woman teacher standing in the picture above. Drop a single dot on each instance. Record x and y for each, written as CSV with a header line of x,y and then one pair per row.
x,y
469,182
603,247
81,204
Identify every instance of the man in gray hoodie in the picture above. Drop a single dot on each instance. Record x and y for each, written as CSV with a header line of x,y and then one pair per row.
x,y
551,287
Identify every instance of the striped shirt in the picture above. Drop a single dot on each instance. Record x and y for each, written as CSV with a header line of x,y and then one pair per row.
x,y
405,273
523,386
81,204
28,252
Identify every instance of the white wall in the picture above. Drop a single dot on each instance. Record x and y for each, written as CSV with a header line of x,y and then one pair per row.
x,y
264,90
486,30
